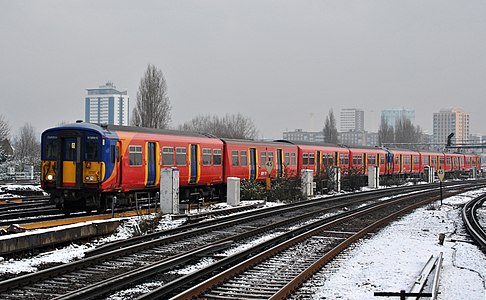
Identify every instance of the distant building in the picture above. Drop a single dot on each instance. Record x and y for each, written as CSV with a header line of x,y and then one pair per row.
x,y
304,136
352,120
451,121
358,138
107,105
392,115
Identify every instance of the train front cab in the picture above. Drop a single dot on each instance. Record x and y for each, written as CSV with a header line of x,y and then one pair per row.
x,y
72,167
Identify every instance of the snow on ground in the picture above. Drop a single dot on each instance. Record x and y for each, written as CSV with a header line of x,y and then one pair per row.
x,y
75,251
11,188
389,261
393,258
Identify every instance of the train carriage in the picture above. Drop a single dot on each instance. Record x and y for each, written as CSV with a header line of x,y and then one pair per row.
x,y
364,157
246,159
321,157
405,161
85,165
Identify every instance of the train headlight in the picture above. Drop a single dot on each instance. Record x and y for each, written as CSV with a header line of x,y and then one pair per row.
x,y
50,177
91,178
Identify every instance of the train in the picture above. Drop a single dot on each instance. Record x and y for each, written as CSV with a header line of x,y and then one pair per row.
x,y
85,166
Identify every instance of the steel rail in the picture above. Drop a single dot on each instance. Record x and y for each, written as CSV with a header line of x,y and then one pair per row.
x,y
145,272
233,271
167,237
470,218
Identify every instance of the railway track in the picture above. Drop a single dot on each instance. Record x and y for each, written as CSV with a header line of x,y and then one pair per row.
x,y
114,267
472,223
280,270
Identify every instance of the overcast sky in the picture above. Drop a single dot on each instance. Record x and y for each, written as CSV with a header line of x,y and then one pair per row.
x,y
282,63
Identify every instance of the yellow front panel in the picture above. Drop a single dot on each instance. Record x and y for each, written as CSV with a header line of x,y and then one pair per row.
x,y
69,173
91,172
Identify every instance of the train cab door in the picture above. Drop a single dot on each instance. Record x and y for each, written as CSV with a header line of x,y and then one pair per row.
x,y
117,164
193,168
279,163
71,163
253,163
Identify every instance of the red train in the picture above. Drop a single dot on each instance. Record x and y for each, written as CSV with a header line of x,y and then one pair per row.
x,y
85,165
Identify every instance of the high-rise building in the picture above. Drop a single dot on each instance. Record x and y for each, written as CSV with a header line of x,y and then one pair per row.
x,y
107,105
393,115
352,120
451,121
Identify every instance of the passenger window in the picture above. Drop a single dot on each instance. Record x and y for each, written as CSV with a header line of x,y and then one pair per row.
x,y
311,159
234,158
135,155
294,159
181,156
263,158
217,157
206,157
167,156
243,159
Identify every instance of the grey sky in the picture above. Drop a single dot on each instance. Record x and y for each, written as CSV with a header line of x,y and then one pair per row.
x,y
275,61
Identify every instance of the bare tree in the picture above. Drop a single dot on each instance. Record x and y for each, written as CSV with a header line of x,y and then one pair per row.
x,y
230,126
4,128
330,130
385,132
27,145
405,132
153,106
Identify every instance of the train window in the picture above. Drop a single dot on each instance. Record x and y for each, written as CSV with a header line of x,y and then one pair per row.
x,y
312,159
243,159
52,150
112,154
372,159
448,160
217,157
287,159
406,160
91,151
270,156
168,156
305,159
234,158
382,159
135,155
263,158
181,156
206,156
294,159
344,159
441,160
70,151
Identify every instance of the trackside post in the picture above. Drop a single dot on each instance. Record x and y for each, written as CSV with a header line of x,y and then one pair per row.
x,y
307,183
169,191
233,191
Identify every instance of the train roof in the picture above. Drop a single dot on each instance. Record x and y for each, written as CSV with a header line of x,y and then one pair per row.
x,y
106,129
253,142
303,143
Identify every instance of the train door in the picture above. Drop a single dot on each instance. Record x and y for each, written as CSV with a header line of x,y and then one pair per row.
x,y
365,163
151,163
253,163
71,163
279,163
318,162
194,164
117,164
